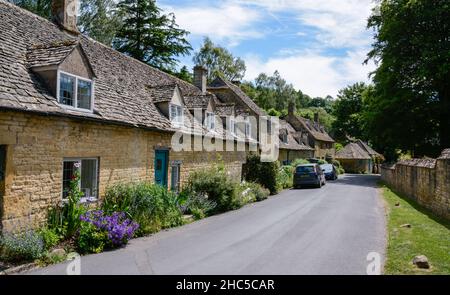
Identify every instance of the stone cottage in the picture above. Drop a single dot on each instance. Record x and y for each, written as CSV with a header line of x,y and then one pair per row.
x,y
312,134
291,144
355,159
68,102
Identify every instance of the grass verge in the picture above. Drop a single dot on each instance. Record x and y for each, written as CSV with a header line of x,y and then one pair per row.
x,y
428,235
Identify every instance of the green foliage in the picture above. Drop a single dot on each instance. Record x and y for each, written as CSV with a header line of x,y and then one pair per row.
x,y
91,240
297,162
340,170
348,111
198,205
264,173
150,36
216,186
50,237
219,62
285,177
39,7
65,220
22,246
251,192
99,20
338,146
153,207
409,108
325,118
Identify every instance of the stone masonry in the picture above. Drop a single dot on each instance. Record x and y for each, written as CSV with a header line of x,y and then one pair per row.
x,y
427,181
36,146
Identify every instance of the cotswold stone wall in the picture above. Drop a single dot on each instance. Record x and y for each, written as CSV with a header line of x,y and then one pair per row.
x,y
425,180
36,146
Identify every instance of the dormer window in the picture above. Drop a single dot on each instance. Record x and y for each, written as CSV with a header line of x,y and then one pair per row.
x,y
284,138
75,92
176,115
210,121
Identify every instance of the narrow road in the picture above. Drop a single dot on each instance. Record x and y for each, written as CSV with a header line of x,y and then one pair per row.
x,y
309,231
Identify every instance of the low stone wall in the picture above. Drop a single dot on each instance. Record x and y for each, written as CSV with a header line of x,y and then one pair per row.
x,y
427,181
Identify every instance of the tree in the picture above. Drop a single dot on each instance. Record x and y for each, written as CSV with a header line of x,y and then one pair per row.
x,y
348,110
40,7
219,62
410,106
150,36
99,20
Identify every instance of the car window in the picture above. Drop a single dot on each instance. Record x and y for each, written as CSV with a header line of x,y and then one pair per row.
x,y
305,169
327,167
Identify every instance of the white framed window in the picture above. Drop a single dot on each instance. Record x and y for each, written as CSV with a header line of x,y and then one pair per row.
x,y
210,121
75,92
175,177
233,127
88,183
176,114
248,129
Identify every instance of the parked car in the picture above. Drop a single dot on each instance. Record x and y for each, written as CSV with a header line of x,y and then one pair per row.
x,y
330,171
308,174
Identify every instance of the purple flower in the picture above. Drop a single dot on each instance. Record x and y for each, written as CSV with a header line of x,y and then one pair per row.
x,y
119,229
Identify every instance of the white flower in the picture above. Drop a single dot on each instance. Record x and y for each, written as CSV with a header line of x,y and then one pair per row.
x,y
77,165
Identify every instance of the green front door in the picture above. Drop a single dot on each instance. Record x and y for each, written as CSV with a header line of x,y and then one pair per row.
x,y
161,167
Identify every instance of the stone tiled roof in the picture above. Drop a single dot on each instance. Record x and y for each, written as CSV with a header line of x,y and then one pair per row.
x,y
353,151
219,83
225,109
292,144
40,55
162,93
125,89
369,150
316,130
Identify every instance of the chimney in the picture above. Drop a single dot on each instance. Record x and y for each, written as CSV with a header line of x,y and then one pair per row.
x,y
200,73
64,14
316,118
291,108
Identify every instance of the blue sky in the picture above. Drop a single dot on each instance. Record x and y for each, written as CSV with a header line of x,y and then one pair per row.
x,y
317,45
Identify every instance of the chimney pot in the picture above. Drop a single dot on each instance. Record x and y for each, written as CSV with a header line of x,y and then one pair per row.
x,y
291,108
64,14
316,117
200,78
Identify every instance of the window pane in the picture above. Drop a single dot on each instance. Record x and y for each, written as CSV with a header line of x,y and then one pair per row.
x,y
66,90
89,177
84,94
68,174
175,179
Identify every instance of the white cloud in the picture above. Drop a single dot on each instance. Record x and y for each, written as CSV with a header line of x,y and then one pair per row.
x,y
313,73
227,22
339,22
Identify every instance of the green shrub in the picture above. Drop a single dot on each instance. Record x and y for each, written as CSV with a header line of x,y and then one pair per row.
x,y
255,191
214,185
19,247
264,173
297,162
50,237
65,219
338,166
285,177
198,205
153,207
91,240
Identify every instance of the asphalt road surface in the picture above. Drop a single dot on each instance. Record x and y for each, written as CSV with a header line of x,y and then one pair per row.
x,y
307,231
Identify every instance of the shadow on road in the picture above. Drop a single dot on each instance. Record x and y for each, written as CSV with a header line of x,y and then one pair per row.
x,y
369,180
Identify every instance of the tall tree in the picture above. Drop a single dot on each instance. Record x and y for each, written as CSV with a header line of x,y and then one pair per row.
x,y
348,110
411,102
99,20
219,62
40,7
150,36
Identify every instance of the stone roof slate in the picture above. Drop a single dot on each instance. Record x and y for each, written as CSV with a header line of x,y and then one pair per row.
x,y
353,151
